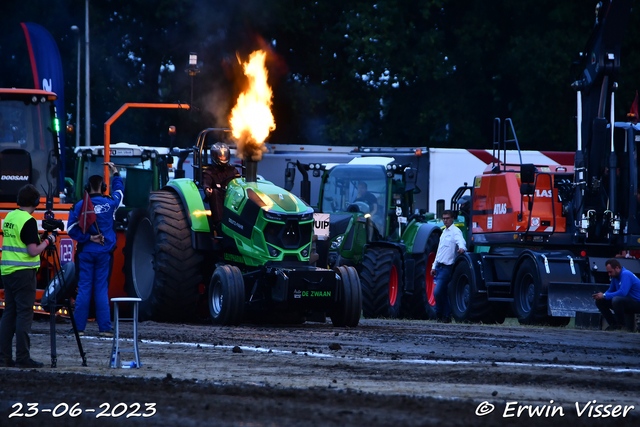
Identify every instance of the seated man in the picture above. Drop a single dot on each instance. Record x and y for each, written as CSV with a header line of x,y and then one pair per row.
x,y
216,178
365,196
623,297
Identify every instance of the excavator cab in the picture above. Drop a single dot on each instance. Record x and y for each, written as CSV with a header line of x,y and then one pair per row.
x,y
29,151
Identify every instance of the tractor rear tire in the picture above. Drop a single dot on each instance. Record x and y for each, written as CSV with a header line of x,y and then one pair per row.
x,y
176,266
382,283
349,305
421,305
468,305
226,296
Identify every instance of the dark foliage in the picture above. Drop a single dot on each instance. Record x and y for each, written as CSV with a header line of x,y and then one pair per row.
x,y
397,72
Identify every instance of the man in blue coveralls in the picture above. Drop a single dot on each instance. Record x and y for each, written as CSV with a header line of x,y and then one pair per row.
x,y
623,297
95,247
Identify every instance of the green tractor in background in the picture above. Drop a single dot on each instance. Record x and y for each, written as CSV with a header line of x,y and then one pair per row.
x,y
146,168
392,246
254,264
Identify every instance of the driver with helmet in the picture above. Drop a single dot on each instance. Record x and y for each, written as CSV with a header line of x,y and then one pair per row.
x,y
216,178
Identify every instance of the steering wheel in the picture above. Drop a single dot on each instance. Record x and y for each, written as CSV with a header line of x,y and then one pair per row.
x,y
361,207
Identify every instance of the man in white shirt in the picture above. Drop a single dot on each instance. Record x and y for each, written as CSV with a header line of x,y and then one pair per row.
x,y
443,265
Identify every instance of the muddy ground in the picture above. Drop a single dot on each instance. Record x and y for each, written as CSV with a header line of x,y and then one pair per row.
x,y
382,373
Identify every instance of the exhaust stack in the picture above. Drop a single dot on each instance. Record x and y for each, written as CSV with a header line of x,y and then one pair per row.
x,y
251,171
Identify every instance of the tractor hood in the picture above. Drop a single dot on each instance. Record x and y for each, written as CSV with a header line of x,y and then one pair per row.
x,y
267,196
264,223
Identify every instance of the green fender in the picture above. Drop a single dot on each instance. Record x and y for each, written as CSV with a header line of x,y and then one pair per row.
x,y
417,235
192,201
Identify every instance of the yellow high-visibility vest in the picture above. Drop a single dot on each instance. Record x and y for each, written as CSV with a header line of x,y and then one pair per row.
x,y
14,252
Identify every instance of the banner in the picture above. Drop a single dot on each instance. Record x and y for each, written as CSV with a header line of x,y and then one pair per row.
x,y
46,66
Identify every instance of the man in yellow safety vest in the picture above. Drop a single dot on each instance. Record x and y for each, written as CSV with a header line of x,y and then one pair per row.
x,y
21,248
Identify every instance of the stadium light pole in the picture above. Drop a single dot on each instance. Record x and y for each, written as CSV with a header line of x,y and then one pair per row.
x,y
87,104
192,70
76,30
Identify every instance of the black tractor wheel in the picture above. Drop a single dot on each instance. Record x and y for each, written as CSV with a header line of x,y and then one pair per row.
x,y
349,305
226,296
529,304
175,267
527,301
467,304
381,281
421,305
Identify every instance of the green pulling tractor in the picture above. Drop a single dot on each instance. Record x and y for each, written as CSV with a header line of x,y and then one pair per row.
x,y
374,227
252,265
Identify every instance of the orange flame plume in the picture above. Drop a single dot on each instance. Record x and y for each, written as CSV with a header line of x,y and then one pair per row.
x,y
251,119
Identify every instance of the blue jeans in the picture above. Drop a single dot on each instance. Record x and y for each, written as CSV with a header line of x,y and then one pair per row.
x,y
94,276
441,293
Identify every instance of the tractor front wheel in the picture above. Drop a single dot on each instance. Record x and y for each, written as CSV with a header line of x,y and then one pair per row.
x,y
382,283
349,305
226,296
529,305
467,303
421,305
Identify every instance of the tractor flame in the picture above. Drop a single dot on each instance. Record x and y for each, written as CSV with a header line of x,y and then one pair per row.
x,y
251,119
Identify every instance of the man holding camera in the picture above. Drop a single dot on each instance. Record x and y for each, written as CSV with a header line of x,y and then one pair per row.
x,y
94,248
21,248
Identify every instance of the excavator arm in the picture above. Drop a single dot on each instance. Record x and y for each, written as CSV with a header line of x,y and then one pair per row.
x,y
595,206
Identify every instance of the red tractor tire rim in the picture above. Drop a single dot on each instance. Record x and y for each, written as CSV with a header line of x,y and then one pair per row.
x,y
430,284
393,285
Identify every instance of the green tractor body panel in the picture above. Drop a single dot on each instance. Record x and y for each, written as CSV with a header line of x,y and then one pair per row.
x,y
264,223
192,200
410,233
348,236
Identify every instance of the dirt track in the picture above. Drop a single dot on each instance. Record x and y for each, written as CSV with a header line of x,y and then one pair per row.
x,y
380,373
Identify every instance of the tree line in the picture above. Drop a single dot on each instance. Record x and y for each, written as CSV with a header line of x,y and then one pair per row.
x,y
388,73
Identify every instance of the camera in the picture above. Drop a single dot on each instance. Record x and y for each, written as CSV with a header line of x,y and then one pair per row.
x,y
50,223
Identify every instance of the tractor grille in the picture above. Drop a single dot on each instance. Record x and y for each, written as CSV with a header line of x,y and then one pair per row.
x,y
290,235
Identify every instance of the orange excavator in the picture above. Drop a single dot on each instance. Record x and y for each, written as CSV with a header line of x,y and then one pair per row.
x,y
541,234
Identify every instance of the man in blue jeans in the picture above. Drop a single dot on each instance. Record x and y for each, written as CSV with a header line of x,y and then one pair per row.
x,y
95,247
623,297
443,265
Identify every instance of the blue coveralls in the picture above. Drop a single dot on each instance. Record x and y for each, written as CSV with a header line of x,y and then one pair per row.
x,y
95,258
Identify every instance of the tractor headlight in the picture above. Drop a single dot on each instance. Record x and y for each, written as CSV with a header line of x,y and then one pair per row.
x,y
306,217
337,242
273,216
273,251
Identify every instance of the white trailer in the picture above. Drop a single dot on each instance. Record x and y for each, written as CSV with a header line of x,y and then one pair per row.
x,y
440,170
